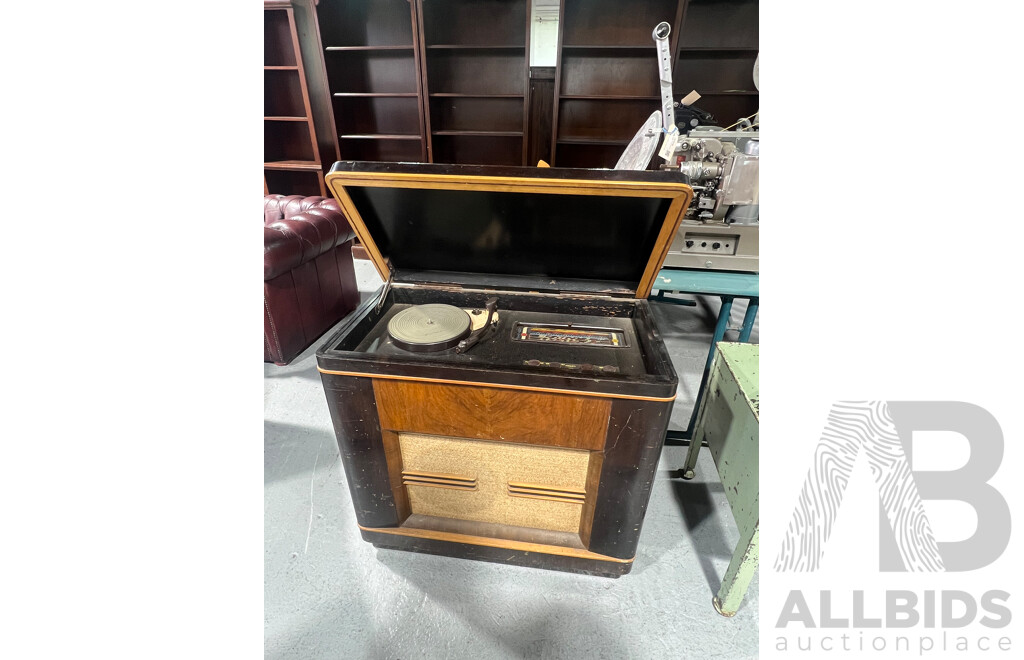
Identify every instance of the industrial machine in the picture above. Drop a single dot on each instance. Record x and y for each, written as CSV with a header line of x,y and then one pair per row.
x,y
720,229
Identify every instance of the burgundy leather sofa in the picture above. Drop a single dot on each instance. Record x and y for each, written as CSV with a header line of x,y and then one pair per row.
x,y
309,282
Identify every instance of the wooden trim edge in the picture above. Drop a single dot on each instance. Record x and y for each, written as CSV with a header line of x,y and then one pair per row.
x,y
551,390
359,227
496,543
662,245
613,188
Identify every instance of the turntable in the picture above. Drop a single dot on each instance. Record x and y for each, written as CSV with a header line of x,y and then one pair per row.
x,y
426,328
505,395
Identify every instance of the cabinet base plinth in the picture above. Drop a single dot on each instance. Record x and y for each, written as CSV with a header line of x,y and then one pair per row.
x,y
502,555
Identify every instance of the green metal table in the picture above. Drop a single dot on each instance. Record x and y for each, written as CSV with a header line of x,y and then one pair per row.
x,y
728,421
726,285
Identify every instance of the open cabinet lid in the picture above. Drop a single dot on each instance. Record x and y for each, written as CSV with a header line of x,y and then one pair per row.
x,y
597,232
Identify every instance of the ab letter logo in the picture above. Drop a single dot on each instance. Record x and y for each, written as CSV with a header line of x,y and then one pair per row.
x,y
883,432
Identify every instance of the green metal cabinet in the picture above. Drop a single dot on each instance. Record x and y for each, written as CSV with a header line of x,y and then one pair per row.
x,y
728,421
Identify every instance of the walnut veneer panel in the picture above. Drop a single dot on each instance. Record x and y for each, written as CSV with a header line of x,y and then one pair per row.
x,y
489,413
493,466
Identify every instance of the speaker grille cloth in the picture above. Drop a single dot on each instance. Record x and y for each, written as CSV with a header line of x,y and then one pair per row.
x,y
495,465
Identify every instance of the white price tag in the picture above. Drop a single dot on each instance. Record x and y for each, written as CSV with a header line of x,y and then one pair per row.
x,y
668,145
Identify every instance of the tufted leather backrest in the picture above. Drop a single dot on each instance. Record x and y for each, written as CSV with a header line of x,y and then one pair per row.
x,y
297,229
279,207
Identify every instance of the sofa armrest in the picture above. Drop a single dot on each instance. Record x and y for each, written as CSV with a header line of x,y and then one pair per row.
x,y
282,252
306,231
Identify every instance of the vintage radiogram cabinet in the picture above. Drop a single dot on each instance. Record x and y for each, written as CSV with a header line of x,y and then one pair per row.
x,y
505,396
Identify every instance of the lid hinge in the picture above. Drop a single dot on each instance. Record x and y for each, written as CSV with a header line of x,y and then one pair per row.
x,y
386,289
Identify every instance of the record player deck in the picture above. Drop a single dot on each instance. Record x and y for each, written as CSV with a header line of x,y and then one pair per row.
x,y
513,338
428,328
505,395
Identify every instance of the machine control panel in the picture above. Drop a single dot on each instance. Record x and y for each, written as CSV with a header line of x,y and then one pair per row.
x,y
710,243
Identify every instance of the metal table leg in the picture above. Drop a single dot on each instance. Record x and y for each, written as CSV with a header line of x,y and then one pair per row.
x,y
748,320
720,327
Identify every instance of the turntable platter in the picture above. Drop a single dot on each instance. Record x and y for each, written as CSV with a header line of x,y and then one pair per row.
x,y
433,327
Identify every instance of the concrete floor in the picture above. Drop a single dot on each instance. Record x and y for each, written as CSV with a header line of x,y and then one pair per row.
x,y
329,594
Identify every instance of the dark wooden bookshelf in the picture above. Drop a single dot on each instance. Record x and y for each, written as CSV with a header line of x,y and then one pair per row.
x,y
448,80
428,80
372,54
717,47
476,73
606,81
295,134
720,24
